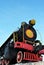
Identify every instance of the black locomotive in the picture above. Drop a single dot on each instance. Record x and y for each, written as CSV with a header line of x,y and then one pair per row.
x,y
22,45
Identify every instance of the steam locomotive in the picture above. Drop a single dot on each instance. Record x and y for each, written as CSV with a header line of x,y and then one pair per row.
x,y
22,45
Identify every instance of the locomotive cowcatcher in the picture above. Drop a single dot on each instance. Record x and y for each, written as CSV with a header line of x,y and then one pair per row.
x,y
22,45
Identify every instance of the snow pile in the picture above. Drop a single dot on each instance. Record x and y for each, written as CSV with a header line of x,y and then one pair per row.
x,y
31,63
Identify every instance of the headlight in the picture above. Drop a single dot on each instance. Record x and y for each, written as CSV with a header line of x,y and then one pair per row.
x,y
29,33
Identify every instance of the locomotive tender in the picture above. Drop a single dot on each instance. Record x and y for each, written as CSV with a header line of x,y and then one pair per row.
x,y
22,45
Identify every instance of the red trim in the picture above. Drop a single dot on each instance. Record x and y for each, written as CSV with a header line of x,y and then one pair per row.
x,y
31,57
23,46
19,56
27,55
41,51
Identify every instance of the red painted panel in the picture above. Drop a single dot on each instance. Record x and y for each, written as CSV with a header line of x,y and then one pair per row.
x,y
41,51
24,46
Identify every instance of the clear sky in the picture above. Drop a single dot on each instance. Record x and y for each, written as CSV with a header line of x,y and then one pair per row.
x,y
13,12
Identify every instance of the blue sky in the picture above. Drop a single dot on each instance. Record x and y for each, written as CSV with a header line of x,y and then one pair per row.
x,y
13,12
